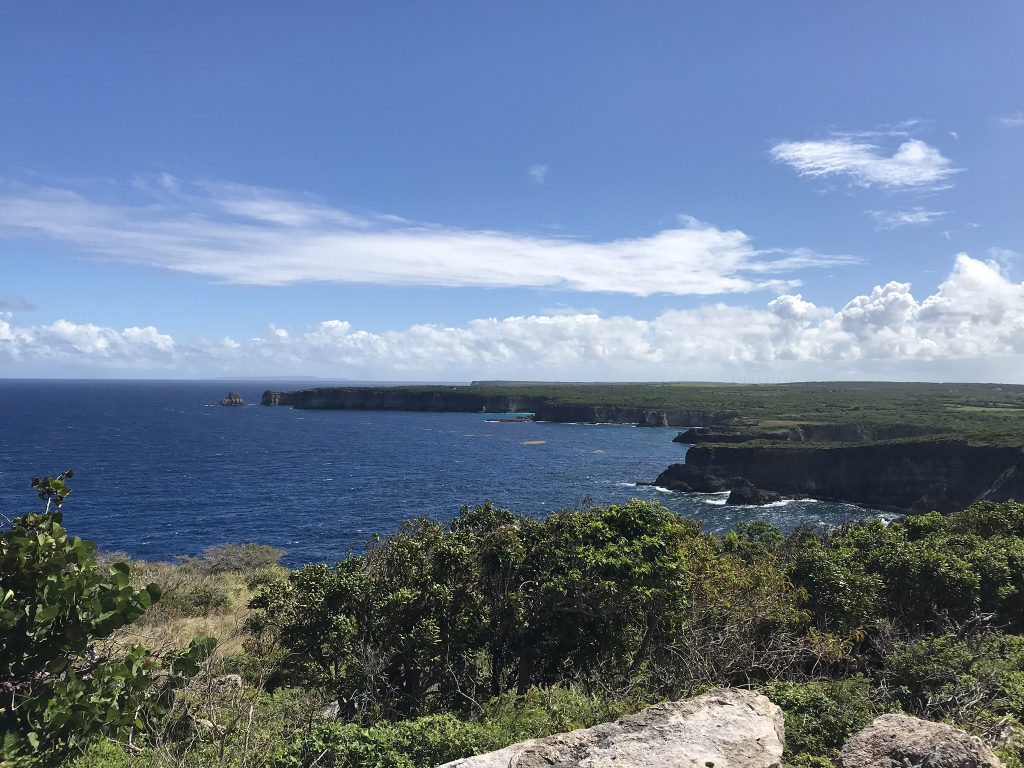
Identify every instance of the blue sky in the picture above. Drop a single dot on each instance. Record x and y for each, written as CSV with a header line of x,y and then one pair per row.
x,y
588,190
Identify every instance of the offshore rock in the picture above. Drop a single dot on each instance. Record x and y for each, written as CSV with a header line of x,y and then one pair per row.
x,y
895,741
742,492
728,728
232,399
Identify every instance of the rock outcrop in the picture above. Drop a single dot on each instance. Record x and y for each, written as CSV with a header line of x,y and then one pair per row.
x,y
233,399
896,741
728,728
742,492
943,475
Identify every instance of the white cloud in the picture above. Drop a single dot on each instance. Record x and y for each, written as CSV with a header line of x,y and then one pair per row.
x,y
912,217
538,173
913,164
87,345
250,235
971,327
1016,120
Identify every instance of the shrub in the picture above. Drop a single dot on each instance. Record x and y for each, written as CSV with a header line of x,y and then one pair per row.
x,y
55,603
821,716
420,743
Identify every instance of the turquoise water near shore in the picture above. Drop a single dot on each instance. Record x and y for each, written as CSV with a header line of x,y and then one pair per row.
x,y
161,470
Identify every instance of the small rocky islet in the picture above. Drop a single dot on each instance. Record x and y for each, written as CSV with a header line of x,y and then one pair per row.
x,y
232,400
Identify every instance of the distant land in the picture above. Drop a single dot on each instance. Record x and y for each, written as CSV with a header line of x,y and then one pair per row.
x,y
901,445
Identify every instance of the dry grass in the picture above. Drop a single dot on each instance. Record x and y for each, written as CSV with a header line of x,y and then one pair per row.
x,y
200,597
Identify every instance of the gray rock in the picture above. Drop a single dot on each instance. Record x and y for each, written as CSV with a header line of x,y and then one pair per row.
x,y
901,741
742,492
728,728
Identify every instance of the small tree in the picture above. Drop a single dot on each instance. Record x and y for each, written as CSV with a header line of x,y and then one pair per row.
x,y
57,692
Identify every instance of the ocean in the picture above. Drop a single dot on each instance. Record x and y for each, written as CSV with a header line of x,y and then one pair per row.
x,y
162,471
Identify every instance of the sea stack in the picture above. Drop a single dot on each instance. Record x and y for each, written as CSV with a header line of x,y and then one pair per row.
x,y
233,398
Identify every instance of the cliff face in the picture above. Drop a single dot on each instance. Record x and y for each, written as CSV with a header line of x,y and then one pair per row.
x,y
397,399
805,433
462,399
943,475
644,417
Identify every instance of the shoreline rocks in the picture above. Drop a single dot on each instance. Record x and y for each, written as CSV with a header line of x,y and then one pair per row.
x,y
232,400
923,475
742,492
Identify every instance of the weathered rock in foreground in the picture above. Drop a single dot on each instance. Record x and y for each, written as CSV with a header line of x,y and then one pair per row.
x,y
728,728
895,741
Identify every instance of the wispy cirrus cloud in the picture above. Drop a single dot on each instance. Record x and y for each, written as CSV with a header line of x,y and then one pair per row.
x,y
909,218
250,235
912,164
975,315
1016,120
538,173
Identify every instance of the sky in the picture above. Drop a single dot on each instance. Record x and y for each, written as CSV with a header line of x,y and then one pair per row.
x,y
589,190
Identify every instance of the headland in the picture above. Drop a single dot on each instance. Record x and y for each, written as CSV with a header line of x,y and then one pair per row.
x,y
904,446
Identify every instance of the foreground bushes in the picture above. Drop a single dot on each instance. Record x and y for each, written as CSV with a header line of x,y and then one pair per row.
x,y
442,641
58,690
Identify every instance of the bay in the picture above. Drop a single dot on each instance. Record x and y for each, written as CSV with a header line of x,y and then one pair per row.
x,y
161,470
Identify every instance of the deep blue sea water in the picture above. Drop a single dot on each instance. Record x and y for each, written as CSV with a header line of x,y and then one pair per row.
x,y
161,471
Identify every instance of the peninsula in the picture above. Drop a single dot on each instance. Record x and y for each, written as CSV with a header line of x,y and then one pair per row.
x,y
906,446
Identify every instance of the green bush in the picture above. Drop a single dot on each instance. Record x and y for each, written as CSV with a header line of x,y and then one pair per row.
x,y
420,743
55,603
951,678
821,716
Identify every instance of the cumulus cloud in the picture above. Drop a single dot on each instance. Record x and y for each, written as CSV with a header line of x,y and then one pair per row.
x,y
250,235
538,173
913,164
86,345
915,216
971,326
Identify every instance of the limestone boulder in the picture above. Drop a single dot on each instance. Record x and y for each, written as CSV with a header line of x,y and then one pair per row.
x,y
728,728
901,741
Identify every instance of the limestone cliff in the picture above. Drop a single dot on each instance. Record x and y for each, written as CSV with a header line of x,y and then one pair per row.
x,y
804,433
464,399
943,475
644,417
454,399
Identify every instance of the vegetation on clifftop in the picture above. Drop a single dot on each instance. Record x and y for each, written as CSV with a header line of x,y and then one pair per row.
x,y
445,640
